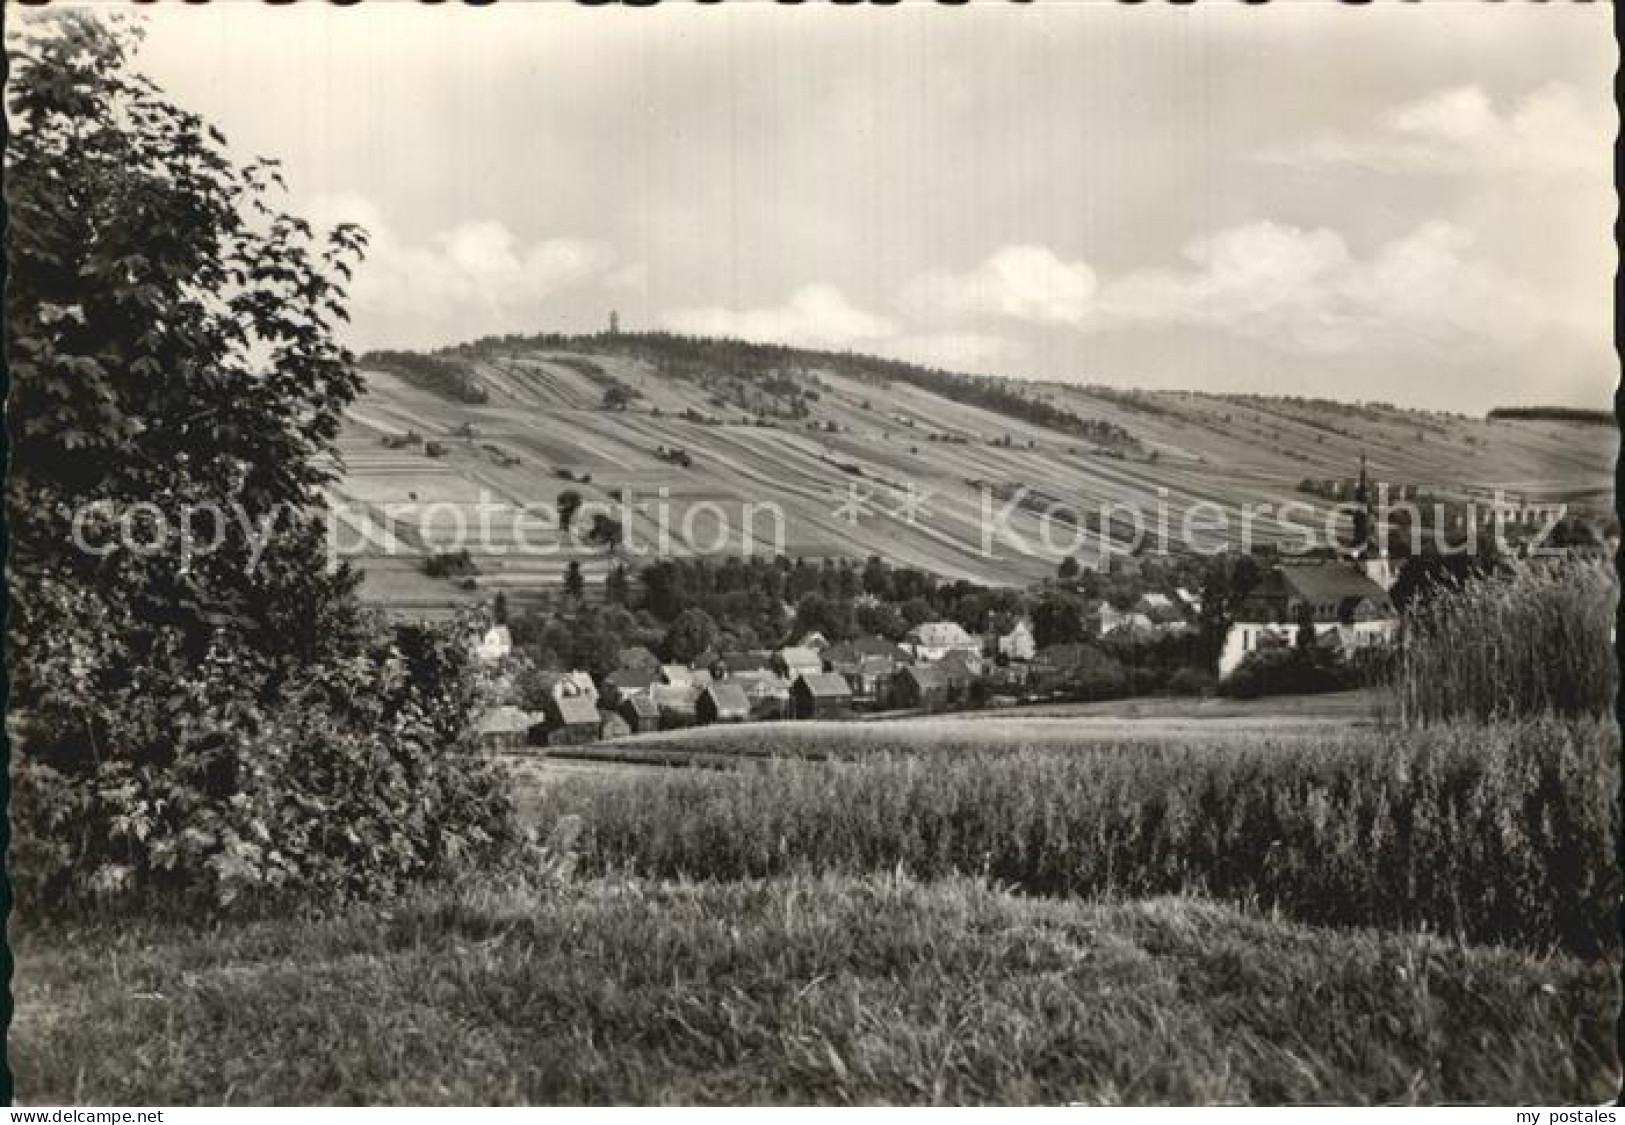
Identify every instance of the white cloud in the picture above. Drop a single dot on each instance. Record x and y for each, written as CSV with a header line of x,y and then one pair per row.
x,y
821,316
1426,292
952,351
815,316
469,279
1305,289
634,276
1027,283
1550,130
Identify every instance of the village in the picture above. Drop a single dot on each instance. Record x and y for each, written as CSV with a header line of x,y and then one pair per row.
x,y
1323,621
937,666
1336,604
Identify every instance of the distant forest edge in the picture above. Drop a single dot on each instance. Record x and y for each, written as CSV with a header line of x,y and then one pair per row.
x,y
1552,414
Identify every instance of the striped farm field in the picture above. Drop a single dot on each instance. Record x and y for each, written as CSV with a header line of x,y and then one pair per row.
x,y
849,465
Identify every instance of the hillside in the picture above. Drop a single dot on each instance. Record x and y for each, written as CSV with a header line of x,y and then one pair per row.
x,y
702,429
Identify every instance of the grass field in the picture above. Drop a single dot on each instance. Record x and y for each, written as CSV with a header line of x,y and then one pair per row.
x,y
1502,835
1222,904
1187,720
825,990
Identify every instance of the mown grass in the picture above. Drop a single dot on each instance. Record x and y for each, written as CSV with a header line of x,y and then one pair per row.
x,y
826,990
1502,834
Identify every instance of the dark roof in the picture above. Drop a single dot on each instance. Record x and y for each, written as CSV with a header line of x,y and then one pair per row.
x,y
825,685
852,652
1063,655
869,666
1326,582
642,706
1339,586
927,675
572,710
632,677
728,699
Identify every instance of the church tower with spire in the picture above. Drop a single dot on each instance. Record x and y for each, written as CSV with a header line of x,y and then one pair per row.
x,y
1368,554
1362,547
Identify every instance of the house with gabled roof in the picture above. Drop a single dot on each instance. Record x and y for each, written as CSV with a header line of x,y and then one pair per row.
x,y
1338,596
1132,622
859,647
627,683
935,639
921,686
793,660
676,675
768,693
722,702
1019,643
961,667
868,663
642,714
505,728
820,695
493,644
676,704
569,721
561,685
612,725
755,660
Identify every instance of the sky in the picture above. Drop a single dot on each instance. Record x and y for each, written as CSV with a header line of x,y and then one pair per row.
x,y
1404,203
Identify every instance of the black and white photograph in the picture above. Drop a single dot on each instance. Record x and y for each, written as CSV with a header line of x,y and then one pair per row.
x,y
812,554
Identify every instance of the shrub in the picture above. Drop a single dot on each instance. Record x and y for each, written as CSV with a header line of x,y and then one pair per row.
x,y
450,564
1287,671
606,531
223,784
228,728
1191,681
1099,676
1532,638
1500,834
